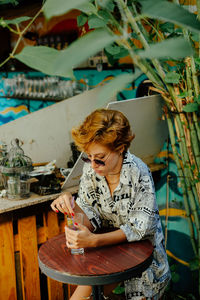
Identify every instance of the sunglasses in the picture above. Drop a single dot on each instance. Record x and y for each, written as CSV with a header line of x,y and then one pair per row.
x,y
98,162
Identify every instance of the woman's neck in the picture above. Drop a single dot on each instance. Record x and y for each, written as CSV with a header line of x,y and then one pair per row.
x,y
117,170
113,180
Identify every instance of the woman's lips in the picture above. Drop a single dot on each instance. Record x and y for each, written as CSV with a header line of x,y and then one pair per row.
x,y
98,171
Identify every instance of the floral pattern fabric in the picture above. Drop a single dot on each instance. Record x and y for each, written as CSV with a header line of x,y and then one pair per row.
x,y
133,208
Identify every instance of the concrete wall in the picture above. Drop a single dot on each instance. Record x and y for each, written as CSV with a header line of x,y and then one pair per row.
x,y
46,132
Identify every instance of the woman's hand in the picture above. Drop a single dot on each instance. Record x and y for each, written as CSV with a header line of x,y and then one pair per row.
x,y
64,203
80,238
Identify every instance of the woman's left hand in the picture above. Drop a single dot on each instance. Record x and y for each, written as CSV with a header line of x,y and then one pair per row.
x,y
80,238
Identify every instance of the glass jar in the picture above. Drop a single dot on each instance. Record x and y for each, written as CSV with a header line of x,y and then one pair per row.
x,y
3,153
16,167
13,187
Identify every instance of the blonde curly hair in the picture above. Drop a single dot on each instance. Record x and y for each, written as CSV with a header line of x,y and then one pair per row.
x,y
107,127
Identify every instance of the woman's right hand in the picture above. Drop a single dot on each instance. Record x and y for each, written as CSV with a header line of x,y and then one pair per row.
x,y
65,203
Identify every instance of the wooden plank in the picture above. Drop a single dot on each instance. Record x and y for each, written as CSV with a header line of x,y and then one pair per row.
x,y
41,238
18,276
55,288
71,289
7,260
29,258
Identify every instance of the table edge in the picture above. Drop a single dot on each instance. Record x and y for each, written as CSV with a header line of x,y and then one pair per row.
x,y
96,279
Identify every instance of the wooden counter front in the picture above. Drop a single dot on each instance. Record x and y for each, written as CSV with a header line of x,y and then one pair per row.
x,y
25,224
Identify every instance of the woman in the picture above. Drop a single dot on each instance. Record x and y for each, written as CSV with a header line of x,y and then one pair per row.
x,y
116,191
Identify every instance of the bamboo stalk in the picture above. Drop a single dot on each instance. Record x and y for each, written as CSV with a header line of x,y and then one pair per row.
x,y
143,65
167,211
185,150
189,178
196,123
183,185
185,134
193,86
136,29
190,188
195,143
194,76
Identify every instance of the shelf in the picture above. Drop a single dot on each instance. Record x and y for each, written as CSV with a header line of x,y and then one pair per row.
x,y
32,99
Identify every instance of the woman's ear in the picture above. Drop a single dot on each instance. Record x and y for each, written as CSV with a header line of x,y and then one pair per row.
x,y
121,150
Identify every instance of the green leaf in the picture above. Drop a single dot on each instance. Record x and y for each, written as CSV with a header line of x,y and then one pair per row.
x,y
88,8
171,48
173,268
95,22
172,77
111,58
3,23
116,51
167,27
79,51
16,21
113,49
54,62
175,277
197,61
194,264
197,99
195,181
109,90
104,15
195,37
184,94
170,12
81,20
59,7
107,4
191,107
122,53
119,290
40,58
13,2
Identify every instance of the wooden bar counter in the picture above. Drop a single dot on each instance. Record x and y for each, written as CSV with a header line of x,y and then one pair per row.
x,y
24,225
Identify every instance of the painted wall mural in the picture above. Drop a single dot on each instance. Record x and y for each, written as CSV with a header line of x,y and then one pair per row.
x,y
12,84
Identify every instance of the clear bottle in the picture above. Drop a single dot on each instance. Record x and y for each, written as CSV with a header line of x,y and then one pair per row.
x,y
13,187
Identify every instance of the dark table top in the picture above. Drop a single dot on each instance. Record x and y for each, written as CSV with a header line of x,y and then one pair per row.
x,y
97,266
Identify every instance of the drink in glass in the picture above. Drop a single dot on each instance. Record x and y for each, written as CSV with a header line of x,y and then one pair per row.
x,y
70,224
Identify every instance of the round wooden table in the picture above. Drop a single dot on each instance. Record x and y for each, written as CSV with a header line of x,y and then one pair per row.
x,y
97,266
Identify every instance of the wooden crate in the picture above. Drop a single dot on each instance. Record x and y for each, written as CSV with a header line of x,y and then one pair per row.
x,y
21,233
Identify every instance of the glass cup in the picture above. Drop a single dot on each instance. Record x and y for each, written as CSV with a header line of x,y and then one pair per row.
x,y
79,217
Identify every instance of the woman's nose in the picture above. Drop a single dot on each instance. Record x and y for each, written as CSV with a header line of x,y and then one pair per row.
x,y
93,164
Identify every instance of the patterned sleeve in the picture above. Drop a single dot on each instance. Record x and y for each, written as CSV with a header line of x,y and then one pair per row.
x,y
143,215
86,199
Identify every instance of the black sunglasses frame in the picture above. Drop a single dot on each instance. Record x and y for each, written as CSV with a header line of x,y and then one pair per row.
x,y
97,161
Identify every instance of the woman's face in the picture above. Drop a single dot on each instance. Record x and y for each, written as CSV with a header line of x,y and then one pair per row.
x,y
112,160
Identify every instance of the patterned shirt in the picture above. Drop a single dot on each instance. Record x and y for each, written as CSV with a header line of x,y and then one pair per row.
x,y
133,208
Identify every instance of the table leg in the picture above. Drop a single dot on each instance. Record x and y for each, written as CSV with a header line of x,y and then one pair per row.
x,y
97,292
